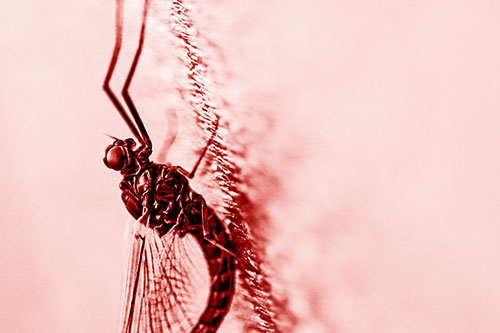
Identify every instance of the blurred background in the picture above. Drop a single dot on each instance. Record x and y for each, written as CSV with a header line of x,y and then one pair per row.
x,y
381,130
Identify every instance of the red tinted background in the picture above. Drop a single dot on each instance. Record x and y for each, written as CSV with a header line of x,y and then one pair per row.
x,y
385,141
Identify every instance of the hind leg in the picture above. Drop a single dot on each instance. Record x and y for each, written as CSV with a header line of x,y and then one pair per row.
x,y
213,230
209,142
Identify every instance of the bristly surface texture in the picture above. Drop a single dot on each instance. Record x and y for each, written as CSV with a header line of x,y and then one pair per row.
x,y
224,172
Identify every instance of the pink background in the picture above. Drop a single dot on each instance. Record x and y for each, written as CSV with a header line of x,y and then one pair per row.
x,y
385,141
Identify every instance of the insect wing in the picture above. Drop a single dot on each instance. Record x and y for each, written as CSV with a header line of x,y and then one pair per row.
x,y
166,283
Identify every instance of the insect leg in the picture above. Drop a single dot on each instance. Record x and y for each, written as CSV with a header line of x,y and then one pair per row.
x,y
116,51
218,229
128,81
136,282
209,142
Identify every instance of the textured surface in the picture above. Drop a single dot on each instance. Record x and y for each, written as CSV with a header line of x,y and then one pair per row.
x,y
381,142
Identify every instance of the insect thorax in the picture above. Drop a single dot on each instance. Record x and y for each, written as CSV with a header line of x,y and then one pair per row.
x,y
162,195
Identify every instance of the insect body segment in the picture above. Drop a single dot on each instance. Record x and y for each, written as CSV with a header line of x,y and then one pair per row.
x,y
167,210
159,196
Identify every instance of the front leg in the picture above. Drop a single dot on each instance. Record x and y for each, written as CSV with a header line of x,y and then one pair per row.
x,y
214,231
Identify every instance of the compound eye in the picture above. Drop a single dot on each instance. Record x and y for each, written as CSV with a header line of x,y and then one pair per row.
x,y
116,158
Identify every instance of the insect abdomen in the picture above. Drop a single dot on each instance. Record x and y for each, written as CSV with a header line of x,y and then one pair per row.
x,y
202,222
221,265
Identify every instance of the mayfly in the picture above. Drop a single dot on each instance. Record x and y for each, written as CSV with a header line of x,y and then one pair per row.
x,y
166,211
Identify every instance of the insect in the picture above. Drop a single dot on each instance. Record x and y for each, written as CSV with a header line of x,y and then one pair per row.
x,y
167,212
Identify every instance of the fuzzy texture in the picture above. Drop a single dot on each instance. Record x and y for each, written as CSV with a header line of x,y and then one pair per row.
x,y
226,165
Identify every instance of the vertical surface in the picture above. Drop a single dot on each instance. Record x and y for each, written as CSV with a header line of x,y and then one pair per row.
x,y
378,123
